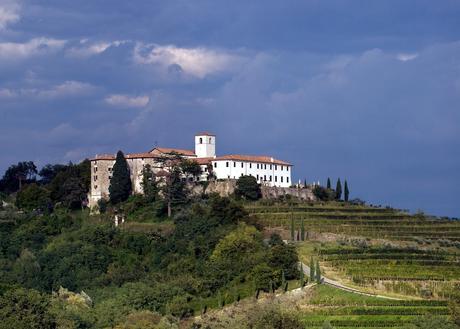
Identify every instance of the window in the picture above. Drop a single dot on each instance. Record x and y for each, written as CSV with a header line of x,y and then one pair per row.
x,y
276,178
228,176
201,140
287,168
95,178
265,166
234,164
281,168
241,164
215,164
287,179
250,165
227,165
276,167
95,186
270,178
209,140
257,166
265,177
110,177
257,177
281,179
95,169
270,167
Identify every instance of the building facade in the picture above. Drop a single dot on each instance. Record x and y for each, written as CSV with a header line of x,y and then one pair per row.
x,y
267,170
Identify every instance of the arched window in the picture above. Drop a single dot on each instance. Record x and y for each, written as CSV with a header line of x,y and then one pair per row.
x,y
201,140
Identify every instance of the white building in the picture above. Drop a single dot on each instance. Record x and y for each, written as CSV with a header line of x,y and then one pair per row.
x,y
266,169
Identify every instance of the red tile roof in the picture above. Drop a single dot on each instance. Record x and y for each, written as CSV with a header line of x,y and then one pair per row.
x,y
252,158
127,156
205,133
203,161
168,150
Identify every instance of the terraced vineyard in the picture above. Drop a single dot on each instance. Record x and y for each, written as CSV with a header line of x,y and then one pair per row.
x,y
346,310
362,221
377,249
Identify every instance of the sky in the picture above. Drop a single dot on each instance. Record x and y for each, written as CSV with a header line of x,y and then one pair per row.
x,y
364,90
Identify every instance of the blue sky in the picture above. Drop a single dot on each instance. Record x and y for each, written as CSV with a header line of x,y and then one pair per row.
x,y
368,91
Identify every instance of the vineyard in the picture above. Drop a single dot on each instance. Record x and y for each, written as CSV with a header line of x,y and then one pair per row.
x,y
375,249
346,310
365,221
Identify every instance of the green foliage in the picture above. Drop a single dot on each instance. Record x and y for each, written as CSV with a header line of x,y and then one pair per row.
x,y
275,239
318,272
312,270
33,197
302,230
25,309
328,185
274,317
248,188
120,184
324,194
70,187
190,168
17,175
346,192
338,190
265,277
149,184
284,257
49,171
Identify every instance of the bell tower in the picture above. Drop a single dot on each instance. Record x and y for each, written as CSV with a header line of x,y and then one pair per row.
x,y
205,145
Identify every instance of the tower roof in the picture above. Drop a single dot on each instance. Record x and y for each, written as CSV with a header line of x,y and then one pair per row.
x,y
205,133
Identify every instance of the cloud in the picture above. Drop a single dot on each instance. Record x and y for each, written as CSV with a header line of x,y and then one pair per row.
x,y
197,62
127,101
12,51
9,13
87,50
65,89
404,57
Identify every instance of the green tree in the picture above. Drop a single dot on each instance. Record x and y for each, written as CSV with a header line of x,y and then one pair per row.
x,y
265,278
33,197
292,228
312,270
328,185
346,192
248,188
318,273
190,168
302,276
16,175
338,190
285,258
120,184
48,172
149,184
174,189
25,309
302,230
305,183
324,194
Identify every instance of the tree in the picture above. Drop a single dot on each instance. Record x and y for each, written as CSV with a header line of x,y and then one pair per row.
x,y
33,197
292,228
284,257
70,187
312,270
305,183
324,194
149,184
174,190
346,192
248,188
48,172
302,276
338,190
16,175
302,230
275,239
25,309
328,183
318,273
190,168
120,184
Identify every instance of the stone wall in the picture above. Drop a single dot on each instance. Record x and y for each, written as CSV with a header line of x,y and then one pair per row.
x,y
227,187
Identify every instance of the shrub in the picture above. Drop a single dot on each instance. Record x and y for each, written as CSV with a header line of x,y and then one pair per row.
x,y
248,188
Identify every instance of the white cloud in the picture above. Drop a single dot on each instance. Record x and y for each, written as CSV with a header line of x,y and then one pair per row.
x,y
68,88
87,50
9,13
127,101
36,46
198,62
406,57
65,89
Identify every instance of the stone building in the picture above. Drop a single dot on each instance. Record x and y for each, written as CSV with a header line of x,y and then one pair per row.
x,y
267,170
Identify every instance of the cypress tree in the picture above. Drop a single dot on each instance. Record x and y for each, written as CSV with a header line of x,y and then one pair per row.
x,y
305,182
318,273
120,184
346,191
328,183
292,228
302,230
302,276
338,190
312,270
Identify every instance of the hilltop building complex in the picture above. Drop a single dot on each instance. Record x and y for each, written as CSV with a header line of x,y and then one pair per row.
x,y
267,170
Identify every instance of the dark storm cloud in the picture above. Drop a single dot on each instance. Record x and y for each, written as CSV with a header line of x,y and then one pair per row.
x,y
364,90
